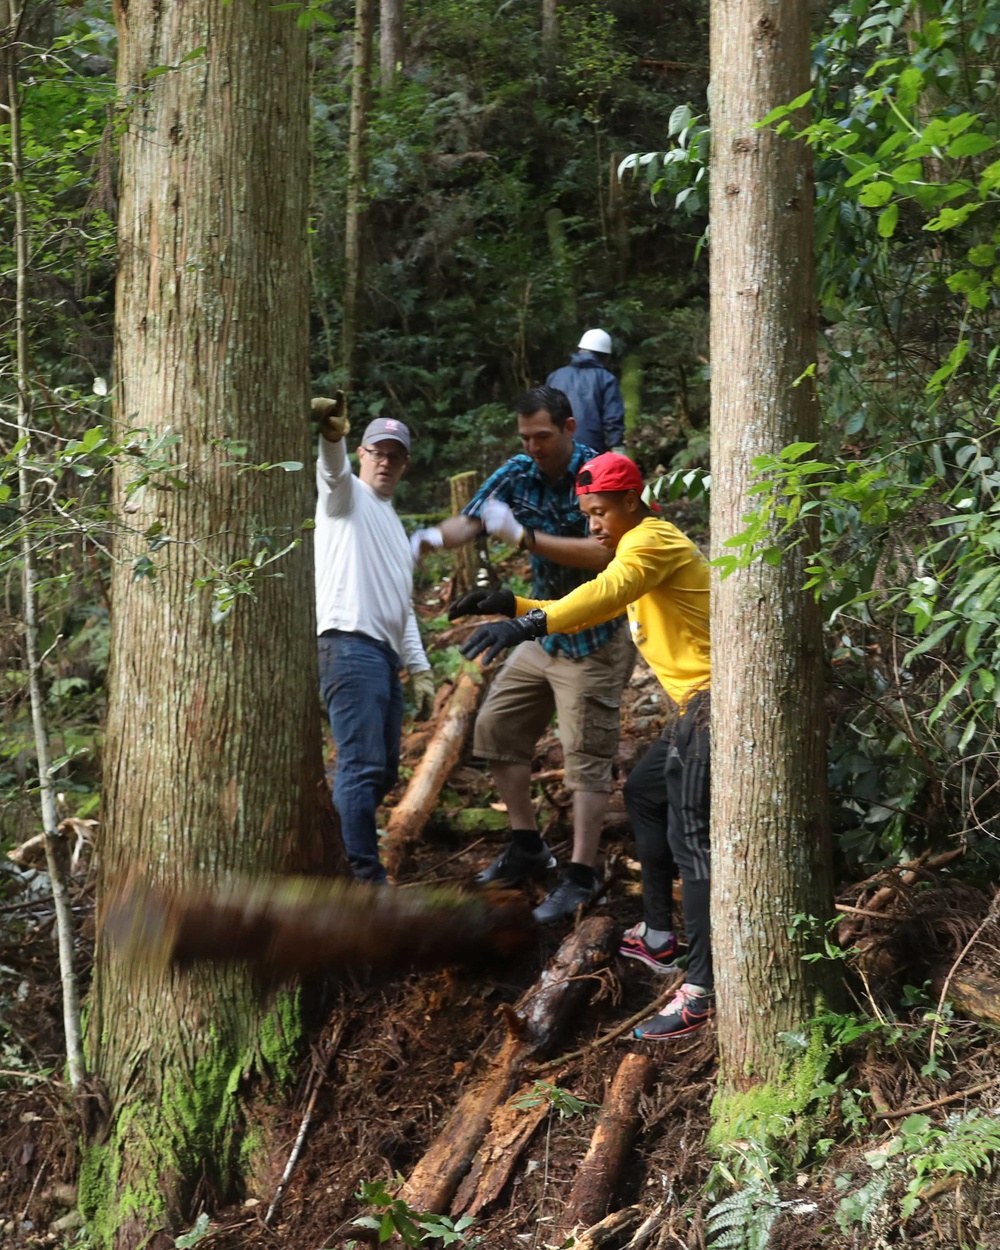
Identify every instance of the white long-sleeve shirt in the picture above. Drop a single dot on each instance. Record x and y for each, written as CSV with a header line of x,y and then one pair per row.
x,y
364,570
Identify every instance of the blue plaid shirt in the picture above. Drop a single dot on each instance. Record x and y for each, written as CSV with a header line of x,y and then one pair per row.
x,y
552,508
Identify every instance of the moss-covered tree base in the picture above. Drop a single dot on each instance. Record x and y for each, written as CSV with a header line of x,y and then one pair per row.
x,y
164,1157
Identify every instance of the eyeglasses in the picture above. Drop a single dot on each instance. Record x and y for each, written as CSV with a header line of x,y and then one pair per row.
x,y
393,458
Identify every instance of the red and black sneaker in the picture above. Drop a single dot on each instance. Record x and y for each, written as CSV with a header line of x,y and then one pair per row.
x,y
660,958
689,1010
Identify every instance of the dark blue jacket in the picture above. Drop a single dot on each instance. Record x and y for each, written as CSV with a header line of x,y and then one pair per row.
x,y
596,400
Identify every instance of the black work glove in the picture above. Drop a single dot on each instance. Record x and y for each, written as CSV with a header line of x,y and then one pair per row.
x,y
500,635
484,603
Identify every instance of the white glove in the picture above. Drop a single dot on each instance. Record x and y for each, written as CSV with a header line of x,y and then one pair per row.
x,y
500,522
620,451
425,540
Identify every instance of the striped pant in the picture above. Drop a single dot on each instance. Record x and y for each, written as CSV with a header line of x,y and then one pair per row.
x,y
667,797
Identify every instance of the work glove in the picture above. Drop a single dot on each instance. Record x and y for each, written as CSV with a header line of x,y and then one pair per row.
x,y
422,690
484,602
620,451
500,522
329,413
499,635
422,541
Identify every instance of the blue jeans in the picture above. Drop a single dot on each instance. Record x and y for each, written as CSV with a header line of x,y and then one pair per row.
x,y
359,681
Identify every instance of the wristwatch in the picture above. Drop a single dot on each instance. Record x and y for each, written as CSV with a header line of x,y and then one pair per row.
x,y
539,621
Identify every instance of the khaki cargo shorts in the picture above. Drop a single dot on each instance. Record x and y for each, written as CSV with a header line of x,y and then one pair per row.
x,y
585,694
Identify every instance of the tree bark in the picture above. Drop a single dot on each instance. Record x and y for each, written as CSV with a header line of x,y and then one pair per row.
x,y
598,1173
550,24
212,754
532,1028
391,46
357,173
465,559
414,809
771,842
511,1128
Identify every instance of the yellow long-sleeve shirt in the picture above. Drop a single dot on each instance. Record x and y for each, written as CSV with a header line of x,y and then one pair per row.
x,y
663,580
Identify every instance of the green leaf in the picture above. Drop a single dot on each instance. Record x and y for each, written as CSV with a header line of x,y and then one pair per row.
x,y
970,145
949,218
795,450
875,194
887,220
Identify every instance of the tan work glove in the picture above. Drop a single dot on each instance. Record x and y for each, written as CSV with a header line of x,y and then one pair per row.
x,y
329,413
423,690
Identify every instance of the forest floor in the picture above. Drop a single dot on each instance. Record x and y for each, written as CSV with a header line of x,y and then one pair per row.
x,y
390,1057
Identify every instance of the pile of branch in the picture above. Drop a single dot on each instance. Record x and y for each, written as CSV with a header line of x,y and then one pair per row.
x,y
533,1026
304,924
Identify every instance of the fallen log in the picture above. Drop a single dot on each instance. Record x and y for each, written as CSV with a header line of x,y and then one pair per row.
x,y
533,1025
973,994
612,1228
303,924
511,1128
412,812
597,1176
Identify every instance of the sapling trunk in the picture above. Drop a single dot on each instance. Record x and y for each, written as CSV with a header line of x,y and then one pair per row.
x,y
55,848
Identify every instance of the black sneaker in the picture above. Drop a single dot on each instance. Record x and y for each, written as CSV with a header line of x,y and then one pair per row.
x,y
689,1010
514,863
565,899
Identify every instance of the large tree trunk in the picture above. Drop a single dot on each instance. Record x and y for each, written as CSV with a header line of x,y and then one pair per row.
x,y
212,755
357,171
390,41
771,846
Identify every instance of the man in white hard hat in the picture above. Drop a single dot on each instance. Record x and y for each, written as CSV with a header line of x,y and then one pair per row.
x,y
594,393
367,628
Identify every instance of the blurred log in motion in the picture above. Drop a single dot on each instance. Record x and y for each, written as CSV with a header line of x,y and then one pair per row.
x,y
303,924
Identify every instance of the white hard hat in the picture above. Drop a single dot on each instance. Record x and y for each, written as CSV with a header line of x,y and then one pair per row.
x,y
596,341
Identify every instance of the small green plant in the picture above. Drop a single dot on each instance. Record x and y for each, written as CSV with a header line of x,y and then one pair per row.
x,y
560,1100
743,1220
414,1228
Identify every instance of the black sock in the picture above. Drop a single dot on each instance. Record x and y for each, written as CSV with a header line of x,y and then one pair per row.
x,y
581,874
529,840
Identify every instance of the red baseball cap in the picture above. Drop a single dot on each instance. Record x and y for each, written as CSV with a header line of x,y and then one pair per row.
x,y
608,471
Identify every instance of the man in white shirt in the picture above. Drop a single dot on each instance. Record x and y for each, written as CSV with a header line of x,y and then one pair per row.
x,y
365,621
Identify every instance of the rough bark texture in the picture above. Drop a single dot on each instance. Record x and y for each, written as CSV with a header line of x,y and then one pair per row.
x,y
357,172
598,1173
412,812
550,24
973,994
771,847
511,1128
532,1028
465,559
391,47
212,755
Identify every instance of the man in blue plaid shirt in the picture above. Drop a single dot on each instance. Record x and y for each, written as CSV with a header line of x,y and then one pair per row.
x,y
531,503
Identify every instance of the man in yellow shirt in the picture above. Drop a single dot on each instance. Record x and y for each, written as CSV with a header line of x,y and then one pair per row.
x,y
662,579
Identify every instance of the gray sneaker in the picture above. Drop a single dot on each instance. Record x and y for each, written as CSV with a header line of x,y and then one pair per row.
x,y
514,863
565,899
